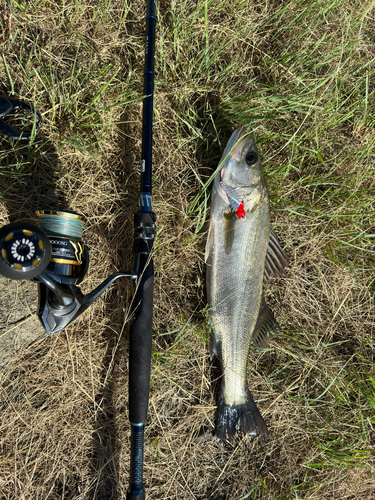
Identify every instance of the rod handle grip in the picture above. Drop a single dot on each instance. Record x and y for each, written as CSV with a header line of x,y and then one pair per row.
x,y
140,346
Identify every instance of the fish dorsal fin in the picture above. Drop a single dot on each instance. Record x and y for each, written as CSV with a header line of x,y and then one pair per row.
x,y
276,260
265,325
210,241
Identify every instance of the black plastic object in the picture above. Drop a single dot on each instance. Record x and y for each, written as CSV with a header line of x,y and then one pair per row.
x,y
9,105
25,251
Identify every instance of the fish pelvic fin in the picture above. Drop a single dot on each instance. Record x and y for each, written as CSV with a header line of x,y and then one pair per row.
x,y
232,417
266,325
276,260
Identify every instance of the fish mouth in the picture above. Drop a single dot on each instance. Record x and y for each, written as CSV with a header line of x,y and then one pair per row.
x,y
240,133
236,141
235,146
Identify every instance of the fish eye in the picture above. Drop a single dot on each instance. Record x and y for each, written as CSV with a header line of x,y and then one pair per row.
x,y
251,158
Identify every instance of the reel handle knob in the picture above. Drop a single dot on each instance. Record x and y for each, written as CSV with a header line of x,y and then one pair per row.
x,y
25,251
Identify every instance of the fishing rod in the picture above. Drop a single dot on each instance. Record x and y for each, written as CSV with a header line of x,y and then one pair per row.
x,y
144,235
52,254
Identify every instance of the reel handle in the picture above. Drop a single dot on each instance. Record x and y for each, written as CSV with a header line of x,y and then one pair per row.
x,y
25,251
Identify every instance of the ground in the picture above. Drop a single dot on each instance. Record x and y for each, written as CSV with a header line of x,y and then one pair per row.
x,y
300,75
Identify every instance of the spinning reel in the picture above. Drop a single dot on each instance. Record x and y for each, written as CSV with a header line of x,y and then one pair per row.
x,y
54,256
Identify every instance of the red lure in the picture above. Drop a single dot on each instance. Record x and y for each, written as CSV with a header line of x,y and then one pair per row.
x,y
241,211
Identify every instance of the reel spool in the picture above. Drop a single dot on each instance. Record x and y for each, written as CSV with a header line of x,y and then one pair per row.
x,y
25,251
69,258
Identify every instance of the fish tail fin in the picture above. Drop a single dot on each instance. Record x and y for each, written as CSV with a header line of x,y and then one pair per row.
x,y
230,417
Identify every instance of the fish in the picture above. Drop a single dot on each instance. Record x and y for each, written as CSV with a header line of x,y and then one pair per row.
x,y
242,254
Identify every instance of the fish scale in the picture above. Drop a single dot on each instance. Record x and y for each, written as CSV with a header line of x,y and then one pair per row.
x,y
237,255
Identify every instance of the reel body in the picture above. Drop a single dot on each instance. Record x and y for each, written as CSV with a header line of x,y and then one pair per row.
x,y
55,257
9,105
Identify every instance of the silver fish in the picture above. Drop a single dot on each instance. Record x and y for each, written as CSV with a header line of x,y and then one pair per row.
x,y
242,253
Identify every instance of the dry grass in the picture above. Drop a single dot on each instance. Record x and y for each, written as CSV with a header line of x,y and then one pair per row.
x,y
301,74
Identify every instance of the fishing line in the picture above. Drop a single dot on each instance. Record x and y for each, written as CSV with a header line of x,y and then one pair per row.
x,y
64,229
61,223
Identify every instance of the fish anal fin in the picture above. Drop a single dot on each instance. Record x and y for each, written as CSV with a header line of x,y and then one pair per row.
x,y
266,325
215,347
276,260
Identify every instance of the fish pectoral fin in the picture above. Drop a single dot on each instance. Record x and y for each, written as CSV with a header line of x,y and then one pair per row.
x,y
204,229
276,260
266,324
210,241
229,221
